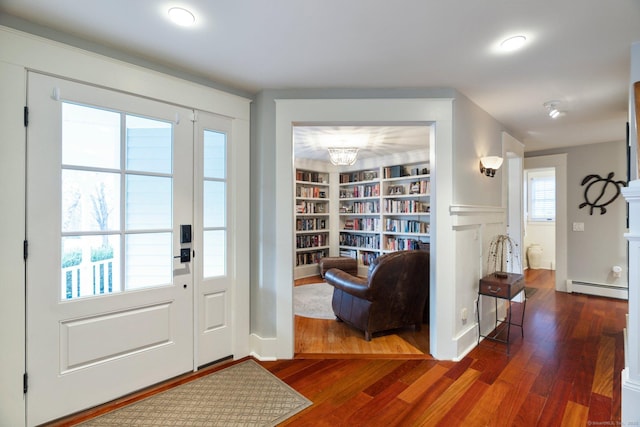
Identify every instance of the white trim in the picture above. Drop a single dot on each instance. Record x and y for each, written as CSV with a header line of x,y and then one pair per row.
x,y
436,112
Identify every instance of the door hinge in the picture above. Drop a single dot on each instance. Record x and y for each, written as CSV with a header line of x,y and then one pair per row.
x,y
25,384
25,249
26,116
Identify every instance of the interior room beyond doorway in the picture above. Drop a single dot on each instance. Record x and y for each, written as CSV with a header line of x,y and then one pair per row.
x,y
326,223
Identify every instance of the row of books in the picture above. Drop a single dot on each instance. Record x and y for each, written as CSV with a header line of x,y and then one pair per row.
x,y
367,257
371,206
371,241
306,224
415,187
369,190
308,258
359,176
311,192
399,171
406,206
319,177
362,224
303,207
349,253
406,226
400,244
312,241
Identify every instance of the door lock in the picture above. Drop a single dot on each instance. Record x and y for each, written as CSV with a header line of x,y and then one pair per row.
x,y
185,255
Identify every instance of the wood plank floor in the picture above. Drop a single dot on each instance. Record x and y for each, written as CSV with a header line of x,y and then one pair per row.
x,y
565,372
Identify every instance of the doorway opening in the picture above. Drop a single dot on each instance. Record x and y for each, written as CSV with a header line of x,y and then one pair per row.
x,y
346,210
540,218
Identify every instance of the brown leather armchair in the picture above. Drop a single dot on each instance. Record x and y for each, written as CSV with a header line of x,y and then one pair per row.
x,y
392,296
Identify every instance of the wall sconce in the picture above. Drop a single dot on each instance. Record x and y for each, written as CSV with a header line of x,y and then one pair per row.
x,y
343,156
490,164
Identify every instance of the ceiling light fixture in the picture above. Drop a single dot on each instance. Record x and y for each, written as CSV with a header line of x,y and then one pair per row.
x,y
552,109
343,156
181,16
513,43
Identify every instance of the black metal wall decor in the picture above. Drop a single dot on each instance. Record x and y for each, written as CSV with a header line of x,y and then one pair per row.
x,y
597,196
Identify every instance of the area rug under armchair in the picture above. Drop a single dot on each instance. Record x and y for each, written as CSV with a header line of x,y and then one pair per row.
x,y
313,301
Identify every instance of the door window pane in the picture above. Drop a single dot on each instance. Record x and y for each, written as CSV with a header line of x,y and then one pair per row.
x,y
148,260
90,201
90,136
90,265
214,256
214,154
148,145
214,204
148,202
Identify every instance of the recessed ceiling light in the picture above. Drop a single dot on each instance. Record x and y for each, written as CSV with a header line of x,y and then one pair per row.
x,y
513,43
181,16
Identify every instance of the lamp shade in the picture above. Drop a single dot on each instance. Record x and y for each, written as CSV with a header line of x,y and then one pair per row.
x,y
491,162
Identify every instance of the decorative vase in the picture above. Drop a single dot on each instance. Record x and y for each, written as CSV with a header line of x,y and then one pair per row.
x,y
534,256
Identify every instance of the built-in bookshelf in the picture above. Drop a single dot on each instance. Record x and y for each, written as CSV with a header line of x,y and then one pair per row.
x,y
362,214
312,228
406,202
384,210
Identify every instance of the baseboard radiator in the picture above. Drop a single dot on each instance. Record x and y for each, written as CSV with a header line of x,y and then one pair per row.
x,y
599,289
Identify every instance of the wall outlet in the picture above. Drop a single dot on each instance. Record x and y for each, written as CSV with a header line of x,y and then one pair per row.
x,y
578,226
464,314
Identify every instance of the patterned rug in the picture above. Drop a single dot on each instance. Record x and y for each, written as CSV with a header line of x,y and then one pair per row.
x,y
245,394
313,301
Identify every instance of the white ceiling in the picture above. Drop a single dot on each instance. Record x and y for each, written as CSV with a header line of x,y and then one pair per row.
x,y
577,50
312,142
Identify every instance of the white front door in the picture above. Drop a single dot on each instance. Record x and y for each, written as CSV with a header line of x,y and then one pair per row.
x,y
109,182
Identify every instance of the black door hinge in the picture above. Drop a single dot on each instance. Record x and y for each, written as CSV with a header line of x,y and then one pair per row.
x,y
25,385
26,116
25,249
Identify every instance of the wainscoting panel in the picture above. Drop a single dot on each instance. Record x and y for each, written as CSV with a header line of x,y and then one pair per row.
x,y
474,227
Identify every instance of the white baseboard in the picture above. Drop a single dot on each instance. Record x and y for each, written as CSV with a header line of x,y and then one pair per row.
x,y
598,289
264,349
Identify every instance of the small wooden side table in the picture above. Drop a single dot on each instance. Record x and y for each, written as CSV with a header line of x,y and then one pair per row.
x,y
505,287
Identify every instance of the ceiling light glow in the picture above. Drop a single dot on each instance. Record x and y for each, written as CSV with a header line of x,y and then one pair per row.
x,y
513,43
552,109
181,16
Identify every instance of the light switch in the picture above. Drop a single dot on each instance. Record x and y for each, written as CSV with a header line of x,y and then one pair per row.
x,y
578,226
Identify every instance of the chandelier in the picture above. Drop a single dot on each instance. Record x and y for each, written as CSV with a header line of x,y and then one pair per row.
x,y
343,156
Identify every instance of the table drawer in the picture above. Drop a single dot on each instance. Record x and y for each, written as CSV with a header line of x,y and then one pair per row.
x,y
501,289
498,290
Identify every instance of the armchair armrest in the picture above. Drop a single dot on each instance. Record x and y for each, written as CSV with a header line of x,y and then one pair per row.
x,y
352,285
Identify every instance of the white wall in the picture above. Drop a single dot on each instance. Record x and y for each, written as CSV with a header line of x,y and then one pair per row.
x,y
19,51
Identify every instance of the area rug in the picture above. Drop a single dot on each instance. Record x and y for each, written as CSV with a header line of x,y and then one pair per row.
x,y
245,394
313,301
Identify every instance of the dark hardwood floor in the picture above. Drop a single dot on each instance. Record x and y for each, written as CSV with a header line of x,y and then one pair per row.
x,y
566,371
